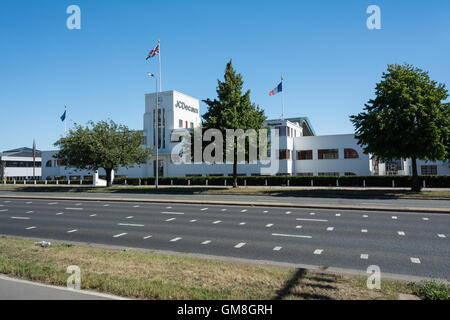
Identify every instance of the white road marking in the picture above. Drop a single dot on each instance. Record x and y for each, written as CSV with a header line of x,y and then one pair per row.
x,y
59,213
170,219
30,228
277,248
72,231
216,222
394,218
204,209
330,228
147,237
3,210
73,208
78,204
93,215
415,260
106,205
242,223
168,207
7,201
2,205
401,233
119,235
20,218
338,214
129,217
175,239
29,202
298,227
364,230
316,220
365,216
136,206
29,212
191,220
52,203
312,213
265,211
318,251
442,236
240,245
269,225
169,212
130,224
206,242
244,210
425,219
223,210
364,256
290,235
288,212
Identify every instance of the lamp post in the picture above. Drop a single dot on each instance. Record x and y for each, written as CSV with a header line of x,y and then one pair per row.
x,y
157,132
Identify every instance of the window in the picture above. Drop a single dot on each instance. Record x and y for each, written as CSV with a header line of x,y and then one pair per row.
x,y
192,125
327,154
48,164
328,174
350,174
350,154
186,124
284,154
304,155
180,123
305,174
429,170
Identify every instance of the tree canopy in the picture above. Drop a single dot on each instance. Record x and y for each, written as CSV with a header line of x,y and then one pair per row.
x,y
104,145
232,109
407,119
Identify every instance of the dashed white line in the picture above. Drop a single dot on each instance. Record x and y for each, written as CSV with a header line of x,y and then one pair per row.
x,y
415,260
146,237
170,219
169,212
364,230
3,210
59,213
265,211
365,216
338,214
216,222
223,210
29,202
290,235
72,231
30,228
425,219
7,201
330,228
21,218
206,242
136,206
130,224
240,245
193,220
401,233
29,212
106,205
73,208
242,223
244,210
318,251
312,213
364,256
442,236
168,207
394,217
78,204
316,220
120,235
93,215
288,212
52,203
298,227
204,209
175,239
129,217
277,248
269,225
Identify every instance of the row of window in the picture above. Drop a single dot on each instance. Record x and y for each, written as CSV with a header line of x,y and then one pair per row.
x,y
55,163
429,170
322,154
325,174
285,131
22,164
184,124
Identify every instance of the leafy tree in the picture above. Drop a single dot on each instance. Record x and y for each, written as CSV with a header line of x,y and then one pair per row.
x,y
232,110
407,119
104,145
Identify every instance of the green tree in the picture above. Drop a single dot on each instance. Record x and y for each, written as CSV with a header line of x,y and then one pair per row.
x,y
104,145
232,109
407,119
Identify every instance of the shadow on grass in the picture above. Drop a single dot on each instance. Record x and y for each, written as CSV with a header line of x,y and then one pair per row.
x,y
289,288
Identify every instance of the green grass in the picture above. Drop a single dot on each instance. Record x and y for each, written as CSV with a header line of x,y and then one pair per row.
x,y
431,290
155,276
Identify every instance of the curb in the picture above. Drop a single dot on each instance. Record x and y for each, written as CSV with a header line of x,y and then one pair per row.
x,y
241,203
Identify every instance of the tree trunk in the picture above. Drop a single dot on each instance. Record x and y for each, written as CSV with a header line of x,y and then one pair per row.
x,y
415,178
235,181
108,177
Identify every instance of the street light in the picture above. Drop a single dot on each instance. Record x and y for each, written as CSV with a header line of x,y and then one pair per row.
x,y
157,131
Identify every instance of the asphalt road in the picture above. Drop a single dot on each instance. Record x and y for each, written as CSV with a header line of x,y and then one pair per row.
x,y
402,243
380,202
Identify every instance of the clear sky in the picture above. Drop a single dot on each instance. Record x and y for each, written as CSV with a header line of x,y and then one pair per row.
x,y
330,60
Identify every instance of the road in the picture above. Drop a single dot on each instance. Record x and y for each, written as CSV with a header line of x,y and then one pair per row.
x,y
401,243
362,202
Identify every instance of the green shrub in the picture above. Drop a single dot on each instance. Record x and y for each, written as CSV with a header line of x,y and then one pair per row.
x,y
431,290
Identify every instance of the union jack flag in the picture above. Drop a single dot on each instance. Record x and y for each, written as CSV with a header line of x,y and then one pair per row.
x,y
154,52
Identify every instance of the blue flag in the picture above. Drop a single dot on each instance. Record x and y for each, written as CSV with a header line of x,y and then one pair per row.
x,y
63,117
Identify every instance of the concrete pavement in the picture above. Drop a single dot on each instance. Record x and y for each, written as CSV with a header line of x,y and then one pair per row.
x,y
413,244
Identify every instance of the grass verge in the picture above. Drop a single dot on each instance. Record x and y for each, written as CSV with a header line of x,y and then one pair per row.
x,y
154,276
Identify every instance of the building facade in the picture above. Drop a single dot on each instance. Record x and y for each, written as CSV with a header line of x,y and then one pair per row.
x,y
299,151
19,164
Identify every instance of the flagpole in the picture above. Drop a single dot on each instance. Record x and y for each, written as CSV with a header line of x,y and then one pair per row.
x,y
65,122
159,60
34,159
282,99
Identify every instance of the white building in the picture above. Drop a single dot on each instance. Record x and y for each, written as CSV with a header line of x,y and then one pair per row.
x,y
18,164
300,151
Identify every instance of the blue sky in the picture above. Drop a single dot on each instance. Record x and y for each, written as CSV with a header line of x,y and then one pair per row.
x,y
329,59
